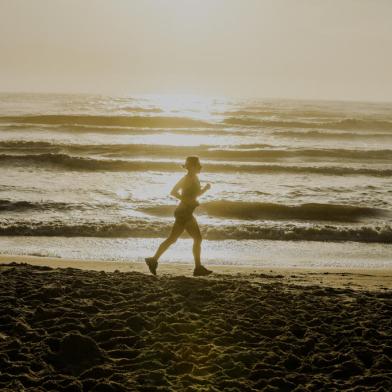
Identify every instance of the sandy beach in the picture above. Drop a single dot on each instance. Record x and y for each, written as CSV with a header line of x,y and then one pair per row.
x,y
106,326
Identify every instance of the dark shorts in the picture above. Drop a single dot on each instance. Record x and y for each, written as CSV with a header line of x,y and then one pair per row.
x,y
184,213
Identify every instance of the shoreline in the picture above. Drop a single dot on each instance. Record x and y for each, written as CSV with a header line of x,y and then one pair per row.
x,y
368,279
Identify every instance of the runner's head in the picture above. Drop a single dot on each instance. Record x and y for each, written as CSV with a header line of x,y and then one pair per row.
x,y
192,164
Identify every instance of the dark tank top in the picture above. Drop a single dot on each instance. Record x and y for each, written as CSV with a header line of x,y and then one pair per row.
x,y
193,190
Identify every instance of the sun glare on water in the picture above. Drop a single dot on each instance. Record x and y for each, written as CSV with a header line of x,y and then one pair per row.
x,y
187,105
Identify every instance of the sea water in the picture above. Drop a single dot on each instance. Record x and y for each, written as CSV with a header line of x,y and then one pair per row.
x,y
293,183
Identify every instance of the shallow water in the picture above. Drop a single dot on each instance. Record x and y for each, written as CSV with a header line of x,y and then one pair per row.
x,y
257,253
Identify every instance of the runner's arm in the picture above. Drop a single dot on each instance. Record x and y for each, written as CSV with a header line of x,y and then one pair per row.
x,y
175,192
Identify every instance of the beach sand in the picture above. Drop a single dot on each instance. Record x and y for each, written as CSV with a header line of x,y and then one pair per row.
x,y
68,325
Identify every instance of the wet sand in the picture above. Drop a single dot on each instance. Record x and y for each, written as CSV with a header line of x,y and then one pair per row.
x,y
118,329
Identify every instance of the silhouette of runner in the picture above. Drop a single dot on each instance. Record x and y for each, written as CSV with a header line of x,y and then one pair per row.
x,y
187,190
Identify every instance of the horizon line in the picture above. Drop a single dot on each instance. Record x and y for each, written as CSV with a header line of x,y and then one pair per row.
x,y
217,96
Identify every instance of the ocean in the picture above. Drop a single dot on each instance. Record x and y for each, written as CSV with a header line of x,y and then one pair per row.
x,y
294,183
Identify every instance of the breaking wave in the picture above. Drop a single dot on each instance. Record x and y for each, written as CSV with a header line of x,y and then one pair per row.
x,y
24,205
333,135
122,130
348,123
272,211
203,151
244,152
128,121
150,121
66,161
225,209
148,229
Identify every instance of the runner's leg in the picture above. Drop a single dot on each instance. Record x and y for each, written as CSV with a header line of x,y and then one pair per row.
x,y
176,231
193,229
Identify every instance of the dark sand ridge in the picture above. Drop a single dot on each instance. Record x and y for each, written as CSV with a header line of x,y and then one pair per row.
x,y
68,329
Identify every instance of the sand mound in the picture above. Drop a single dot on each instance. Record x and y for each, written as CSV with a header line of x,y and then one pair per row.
x,y
76,353
73,330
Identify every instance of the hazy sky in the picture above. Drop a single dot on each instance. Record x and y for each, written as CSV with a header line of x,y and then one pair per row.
x,y
332,49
